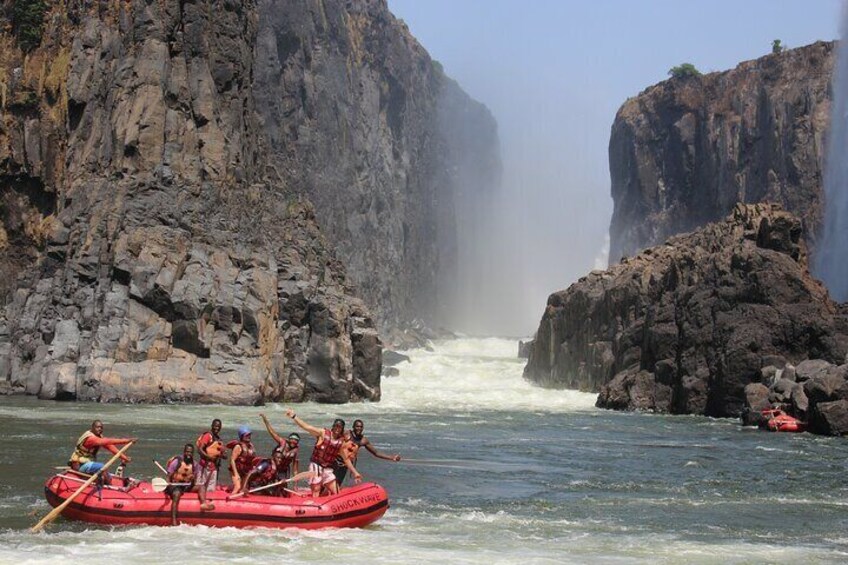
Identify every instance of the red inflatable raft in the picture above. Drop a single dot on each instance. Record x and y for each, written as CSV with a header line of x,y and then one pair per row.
x,y
353,507
779,421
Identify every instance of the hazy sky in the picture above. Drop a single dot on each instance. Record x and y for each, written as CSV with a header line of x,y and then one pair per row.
x,y
554,73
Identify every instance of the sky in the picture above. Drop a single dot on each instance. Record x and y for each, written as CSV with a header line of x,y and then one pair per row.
x,y
554,73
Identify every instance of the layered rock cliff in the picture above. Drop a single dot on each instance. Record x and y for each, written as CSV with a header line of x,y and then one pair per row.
x,y
685,151
158,162
684,327
360,119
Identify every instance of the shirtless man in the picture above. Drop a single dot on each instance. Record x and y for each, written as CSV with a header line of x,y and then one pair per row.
x,y
356,440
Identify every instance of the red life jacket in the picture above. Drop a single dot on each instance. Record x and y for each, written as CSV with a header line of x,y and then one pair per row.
x,y
246,459
289,457
327,449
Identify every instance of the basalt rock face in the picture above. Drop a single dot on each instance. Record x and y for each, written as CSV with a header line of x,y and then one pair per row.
x,y
684,327
361,120
158,167
685,151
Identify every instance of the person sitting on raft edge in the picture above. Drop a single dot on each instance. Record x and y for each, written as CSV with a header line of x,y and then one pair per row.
x,y
181,469
327,447
84,457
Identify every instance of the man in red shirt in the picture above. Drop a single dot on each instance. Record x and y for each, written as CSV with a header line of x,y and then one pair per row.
x,y
84,457
211,450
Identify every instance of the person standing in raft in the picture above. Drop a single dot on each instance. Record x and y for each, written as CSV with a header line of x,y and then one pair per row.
x,y
242,457
84,457
288,445
355,440
266,472
327,447
211,450
181,469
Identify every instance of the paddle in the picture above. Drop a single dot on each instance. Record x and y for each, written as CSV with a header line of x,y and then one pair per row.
x,y
161,468
58,510
160,484
299,476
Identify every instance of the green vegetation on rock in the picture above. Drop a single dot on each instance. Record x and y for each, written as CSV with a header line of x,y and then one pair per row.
x,y
684,70
28,22
777,46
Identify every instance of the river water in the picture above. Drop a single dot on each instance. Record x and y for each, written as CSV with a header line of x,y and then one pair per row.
x,y
511,474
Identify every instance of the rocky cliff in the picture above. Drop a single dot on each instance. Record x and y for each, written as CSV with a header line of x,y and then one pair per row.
x,y
684,327
157,166
685,151
360,119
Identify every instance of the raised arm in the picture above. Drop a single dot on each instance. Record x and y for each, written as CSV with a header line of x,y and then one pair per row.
x,y
376,453
277,437
311,430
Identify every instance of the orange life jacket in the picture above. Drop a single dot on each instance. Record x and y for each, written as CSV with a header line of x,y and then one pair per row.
x,y
184,473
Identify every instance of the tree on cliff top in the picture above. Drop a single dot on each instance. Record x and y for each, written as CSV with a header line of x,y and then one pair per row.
x,y
684,70
777,46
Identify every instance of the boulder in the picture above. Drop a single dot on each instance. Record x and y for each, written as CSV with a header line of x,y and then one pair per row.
x,y
829,418
811,368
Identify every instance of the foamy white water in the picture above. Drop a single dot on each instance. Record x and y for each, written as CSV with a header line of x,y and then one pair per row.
x,y
473,374
497,471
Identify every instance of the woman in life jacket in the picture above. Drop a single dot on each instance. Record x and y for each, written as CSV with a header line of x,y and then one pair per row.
x,y
266,472
327,447
181,469
242,458
289,446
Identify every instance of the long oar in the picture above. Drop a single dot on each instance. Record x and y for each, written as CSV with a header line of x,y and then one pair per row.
x,y
160,484
299,476
161,468
58,510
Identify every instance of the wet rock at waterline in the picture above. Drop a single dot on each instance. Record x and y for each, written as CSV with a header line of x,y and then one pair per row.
x,y
819,396
150,251
686,326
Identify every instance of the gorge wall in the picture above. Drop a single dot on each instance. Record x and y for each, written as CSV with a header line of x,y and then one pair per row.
x,y
195,194
683,152
685,326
